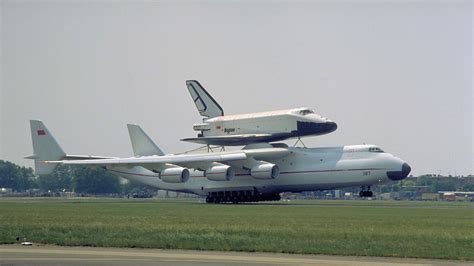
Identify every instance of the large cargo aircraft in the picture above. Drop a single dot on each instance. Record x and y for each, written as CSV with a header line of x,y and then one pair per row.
x,y
243,129
258,172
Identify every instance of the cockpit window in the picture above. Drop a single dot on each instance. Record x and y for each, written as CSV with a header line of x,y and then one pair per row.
x,y
306,112
375,149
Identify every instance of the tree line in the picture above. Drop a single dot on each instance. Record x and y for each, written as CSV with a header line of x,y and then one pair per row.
x,y
80,179
431,184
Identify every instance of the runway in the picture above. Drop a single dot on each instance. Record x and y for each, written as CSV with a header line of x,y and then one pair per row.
x,y
54,255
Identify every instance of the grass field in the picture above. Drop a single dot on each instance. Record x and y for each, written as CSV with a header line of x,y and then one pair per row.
x,y
363,228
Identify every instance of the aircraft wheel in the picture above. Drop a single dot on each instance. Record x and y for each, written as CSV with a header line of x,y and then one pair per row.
x,y
366,194
234,199
277,197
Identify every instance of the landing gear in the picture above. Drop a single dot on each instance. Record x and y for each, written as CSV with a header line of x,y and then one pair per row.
x,y
236,197
365,193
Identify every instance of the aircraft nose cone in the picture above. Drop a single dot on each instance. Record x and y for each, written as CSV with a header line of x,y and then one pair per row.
x,y
406,169
399,175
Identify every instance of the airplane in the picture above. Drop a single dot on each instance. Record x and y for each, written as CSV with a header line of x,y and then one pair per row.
x,y
257,172
243,129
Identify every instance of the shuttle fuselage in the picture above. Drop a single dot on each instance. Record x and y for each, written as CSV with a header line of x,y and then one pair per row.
x,y
243,129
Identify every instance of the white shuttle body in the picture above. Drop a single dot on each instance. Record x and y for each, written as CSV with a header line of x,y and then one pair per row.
x,y
243,129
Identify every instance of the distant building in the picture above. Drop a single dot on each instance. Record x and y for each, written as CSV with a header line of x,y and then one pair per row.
x,y
429,196
456,195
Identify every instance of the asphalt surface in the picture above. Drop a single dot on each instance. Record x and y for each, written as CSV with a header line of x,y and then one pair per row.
x,y
54,255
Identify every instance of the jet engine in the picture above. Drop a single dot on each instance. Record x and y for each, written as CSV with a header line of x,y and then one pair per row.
x,y
220,173
174,175
265,171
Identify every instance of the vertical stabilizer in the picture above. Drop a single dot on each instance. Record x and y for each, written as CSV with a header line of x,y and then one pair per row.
x,y
204,102
141,143
45,148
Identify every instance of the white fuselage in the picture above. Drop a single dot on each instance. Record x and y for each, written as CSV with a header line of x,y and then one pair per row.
x,y
265,127
271,122
274,122
304,169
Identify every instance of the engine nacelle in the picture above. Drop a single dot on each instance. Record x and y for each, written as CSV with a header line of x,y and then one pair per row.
x,y
220,173
265,171
174,175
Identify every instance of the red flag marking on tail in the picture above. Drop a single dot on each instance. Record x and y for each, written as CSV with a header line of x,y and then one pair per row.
x,y
41,132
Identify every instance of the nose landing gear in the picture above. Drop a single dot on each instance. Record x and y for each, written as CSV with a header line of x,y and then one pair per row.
x,y
365,193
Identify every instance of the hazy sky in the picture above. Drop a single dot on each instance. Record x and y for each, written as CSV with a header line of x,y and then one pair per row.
x,y
393,73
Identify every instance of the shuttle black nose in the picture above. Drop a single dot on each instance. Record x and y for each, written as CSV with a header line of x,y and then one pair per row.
x,y
399,175
332,126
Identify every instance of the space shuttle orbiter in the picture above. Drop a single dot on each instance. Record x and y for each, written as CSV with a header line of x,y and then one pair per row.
x,y
243,129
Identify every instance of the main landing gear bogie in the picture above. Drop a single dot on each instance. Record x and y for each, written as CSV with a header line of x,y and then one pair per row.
x,y
366,193
239,197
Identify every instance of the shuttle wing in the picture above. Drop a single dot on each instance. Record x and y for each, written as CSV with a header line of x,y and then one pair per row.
x,y
236,140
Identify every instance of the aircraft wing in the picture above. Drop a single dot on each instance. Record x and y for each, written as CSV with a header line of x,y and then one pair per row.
x,y
86,157
152,162
75,157
196,161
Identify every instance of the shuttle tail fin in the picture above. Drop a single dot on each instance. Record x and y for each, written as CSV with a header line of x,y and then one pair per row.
x,y
141,143
204,102
45,148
